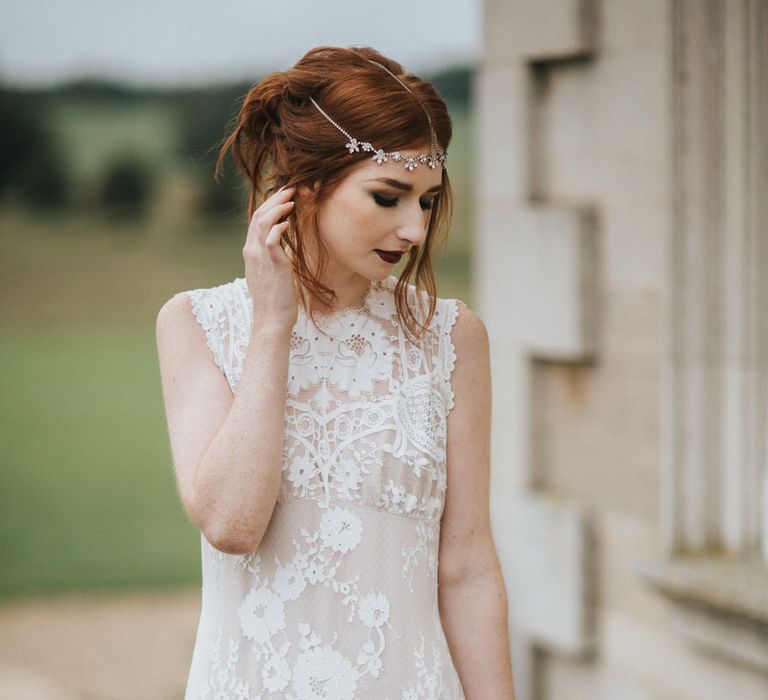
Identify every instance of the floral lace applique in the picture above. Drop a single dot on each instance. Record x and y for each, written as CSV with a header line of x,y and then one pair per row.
x,y
223,683
321,671
364,441
428,681
262,613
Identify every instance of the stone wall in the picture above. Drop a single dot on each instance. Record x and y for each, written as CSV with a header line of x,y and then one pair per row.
x,y
629,576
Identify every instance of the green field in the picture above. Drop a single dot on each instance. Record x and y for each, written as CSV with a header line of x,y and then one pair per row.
x,y
88,498
87,495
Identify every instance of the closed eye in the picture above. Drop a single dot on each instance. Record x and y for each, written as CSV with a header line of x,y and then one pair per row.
x,y
382,201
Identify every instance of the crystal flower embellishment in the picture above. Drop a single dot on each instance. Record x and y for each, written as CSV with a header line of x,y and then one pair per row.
x,y
431,159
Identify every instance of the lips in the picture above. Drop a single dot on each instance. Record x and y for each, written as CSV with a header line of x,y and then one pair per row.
x,y
390,256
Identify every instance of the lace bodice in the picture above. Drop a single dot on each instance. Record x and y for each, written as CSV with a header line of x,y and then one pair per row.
x,y
340,599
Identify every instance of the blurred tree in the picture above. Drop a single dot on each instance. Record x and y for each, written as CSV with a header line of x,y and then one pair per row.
x,y
32,166
126,187
44,181
205,117
454,85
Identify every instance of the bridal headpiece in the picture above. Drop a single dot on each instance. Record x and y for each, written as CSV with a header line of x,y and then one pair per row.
x,y
410,163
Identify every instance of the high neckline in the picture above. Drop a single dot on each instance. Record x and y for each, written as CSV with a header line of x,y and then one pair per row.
x,y
360,307
357,308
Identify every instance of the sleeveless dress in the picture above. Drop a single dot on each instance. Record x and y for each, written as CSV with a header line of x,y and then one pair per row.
x,y
339,600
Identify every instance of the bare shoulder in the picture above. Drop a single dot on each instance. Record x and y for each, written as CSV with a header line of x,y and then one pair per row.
x,y
469,335
178,332
177,311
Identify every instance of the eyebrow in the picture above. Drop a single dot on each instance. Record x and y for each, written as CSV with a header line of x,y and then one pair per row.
x,y
401,185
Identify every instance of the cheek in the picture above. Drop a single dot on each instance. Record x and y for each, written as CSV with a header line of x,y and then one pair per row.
x,y
349,220
361,216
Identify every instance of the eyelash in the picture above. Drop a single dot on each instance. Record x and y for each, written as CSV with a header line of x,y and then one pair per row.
x,y
385,202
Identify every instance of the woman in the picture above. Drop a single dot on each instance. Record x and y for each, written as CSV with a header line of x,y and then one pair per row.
x,y
329,423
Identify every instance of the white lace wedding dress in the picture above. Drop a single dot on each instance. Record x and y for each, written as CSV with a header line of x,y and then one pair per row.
x,y
339,601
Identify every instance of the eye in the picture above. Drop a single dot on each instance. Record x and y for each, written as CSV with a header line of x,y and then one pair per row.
x,y
384,201
426,203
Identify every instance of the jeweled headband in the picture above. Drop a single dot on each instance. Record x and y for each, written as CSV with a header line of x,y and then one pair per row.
x,y
380,156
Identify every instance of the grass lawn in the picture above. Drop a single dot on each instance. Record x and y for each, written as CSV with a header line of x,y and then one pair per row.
x,y
88,498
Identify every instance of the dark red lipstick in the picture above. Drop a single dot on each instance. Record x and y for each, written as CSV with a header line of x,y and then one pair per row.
x,y
390,256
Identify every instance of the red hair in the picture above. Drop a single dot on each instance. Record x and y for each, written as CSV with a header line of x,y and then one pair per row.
x,y
280,138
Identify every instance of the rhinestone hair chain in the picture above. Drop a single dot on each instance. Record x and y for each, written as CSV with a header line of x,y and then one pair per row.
x,y
379,155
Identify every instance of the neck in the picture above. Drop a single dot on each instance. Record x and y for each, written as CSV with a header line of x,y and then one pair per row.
x,y
350,289
350,293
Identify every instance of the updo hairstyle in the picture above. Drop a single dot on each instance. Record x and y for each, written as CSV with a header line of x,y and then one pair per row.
x,y
280,139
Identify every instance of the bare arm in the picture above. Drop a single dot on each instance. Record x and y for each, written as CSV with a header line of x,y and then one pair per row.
x,y
470,583
227,450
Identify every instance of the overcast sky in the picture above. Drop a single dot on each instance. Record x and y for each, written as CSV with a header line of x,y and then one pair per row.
x,y
187,41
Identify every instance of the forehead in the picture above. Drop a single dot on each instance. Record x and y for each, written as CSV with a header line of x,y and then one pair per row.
x,y
421,178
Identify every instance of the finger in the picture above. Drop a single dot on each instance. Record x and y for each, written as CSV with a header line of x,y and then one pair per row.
x,y
280,197
283,194
273,237
272,202
272,243
263,221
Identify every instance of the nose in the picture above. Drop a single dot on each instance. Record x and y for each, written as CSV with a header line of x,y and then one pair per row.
x,y
413,226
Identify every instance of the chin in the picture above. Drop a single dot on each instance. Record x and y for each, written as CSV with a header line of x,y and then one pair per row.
x,y
382,275
378,270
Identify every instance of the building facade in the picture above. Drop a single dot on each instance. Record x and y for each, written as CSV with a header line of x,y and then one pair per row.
x,y
621,267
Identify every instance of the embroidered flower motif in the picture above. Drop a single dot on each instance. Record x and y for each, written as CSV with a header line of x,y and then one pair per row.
x,y
368,660
381,303
261,614
300,358
398,493
250,562
276,674
289,582
347,476
410,503
374,610
395,499
223,682
340,529
314,572
362,357
322,673
300,560
301,471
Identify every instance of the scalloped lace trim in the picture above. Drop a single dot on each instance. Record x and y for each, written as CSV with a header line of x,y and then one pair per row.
x,y
206,321
450,350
